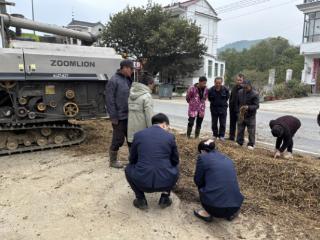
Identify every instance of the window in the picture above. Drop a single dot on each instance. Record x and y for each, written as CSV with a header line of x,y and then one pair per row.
x,y
317,27
210,69
221,70
312,27
216,69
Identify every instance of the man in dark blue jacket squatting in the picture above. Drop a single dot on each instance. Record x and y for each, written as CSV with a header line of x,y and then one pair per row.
x,y
154,163
216,179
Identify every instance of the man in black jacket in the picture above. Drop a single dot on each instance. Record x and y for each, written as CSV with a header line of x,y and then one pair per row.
x,y
154,161
248,103
117,94
233,106
218,97
284,129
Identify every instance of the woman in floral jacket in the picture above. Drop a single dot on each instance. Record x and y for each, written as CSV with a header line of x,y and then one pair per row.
x,y
196,97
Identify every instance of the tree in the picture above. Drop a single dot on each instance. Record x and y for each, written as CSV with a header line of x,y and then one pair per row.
x,y
233,64
156,39
256,62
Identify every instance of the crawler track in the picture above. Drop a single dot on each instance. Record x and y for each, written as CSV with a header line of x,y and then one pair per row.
x,y
35,137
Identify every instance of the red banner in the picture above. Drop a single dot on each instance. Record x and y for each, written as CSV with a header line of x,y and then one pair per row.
x,y
315,70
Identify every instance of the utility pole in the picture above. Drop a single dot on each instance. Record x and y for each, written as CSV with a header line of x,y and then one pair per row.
x,y
34,32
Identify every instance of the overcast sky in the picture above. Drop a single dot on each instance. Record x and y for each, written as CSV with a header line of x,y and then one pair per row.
x,y
269,19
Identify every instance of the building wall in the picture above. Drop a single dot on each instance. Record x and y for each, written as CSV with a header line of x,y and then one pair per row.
x,y
310,48
203,16
200,14
208,25
311,52
307,77
210,70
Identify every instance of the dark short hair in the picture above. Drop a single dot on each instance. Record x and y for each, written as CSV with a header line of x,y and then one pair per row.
x,y
240,75
147,79
277,131
159,119
203,79
247,82
204,146
126,63
218,78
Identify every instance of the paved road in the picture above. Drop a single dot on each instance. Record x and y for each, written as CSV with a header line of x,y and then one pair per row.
x,y
306,139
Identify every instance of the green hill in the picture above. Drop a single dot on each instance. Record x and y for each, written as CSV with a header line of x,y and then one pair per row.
x,y
240,45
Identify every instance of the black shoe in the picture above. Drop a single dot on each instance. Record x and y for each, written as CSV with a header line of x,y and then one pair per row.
x,y
140,203
239,144
165,201
233,216
206,219
197,132
189,130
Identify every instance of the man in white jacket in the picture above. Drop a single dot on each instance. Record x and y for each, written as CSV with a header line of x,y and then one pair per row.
x,y
140,106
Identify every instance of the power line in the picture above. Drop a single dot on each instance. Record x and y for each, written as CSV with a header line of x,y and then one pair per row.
x,y
239,5
260,10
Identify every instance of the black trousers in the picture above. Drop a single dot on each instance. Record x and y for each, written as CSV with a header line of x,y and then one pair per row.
x,y
280,141
220,212
250,124
233,124
119,135
222,119
138,191
198,121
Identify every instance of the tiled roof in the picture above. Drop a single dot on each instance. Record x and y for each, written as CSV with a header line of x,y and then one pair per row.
x,y
83,23
188,3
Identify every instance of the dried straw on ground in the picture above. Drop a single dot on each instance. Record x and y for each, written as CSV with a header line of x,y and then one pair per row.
x,y
286,192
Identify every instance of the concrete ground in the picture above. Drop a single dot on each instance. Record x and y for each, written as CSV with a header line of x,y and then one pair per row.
x,y
58,194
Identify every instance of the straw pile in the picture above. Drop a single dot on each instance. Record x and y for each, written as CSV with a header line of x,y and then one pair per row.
x,y
283,191
263,180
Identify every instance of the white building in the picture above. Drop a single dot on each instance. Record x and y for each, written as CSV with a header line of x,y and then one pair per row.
x,y
203,14
310,47
82,26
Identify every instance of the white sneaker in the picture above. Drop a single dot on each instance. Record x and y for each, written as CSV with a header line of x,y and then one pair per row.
x,y
251,148
287,155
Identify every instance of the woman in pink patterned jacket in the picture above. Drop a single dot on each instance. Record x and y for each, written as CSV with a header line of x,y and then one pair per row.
x,y
196,97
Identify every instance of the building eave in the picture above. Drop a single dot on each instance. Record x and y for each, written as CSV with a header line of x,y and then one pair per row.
x,y
309,7
184,5
208,16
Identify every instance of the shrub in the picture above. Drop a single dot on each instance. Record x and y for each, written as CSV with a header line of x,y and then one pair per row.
x,y
292,89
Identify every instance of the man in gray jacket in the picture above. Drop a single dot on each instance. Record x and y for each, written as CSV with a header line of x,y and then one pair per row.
x,y
117,94
140,106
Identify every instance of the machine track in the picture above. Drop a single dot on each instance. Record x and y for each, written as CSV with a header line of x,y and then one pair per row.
x,y
35,137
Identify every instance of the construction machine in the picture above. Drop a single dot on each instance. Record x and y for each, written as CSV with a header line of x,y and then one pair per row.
x,y
43,86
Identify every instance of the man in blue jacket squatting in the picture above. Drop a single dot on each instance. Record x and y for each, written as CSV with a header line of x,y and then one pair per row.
x,y
154,163
217,183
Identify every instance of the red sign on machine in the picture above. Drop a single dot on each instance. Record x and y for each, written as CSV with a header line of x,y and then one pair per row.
x,y
137,65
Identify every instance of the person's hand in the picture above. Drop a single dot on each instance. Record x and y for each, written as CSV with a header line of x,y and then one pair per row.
x,y
246,107
115,121
277,154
